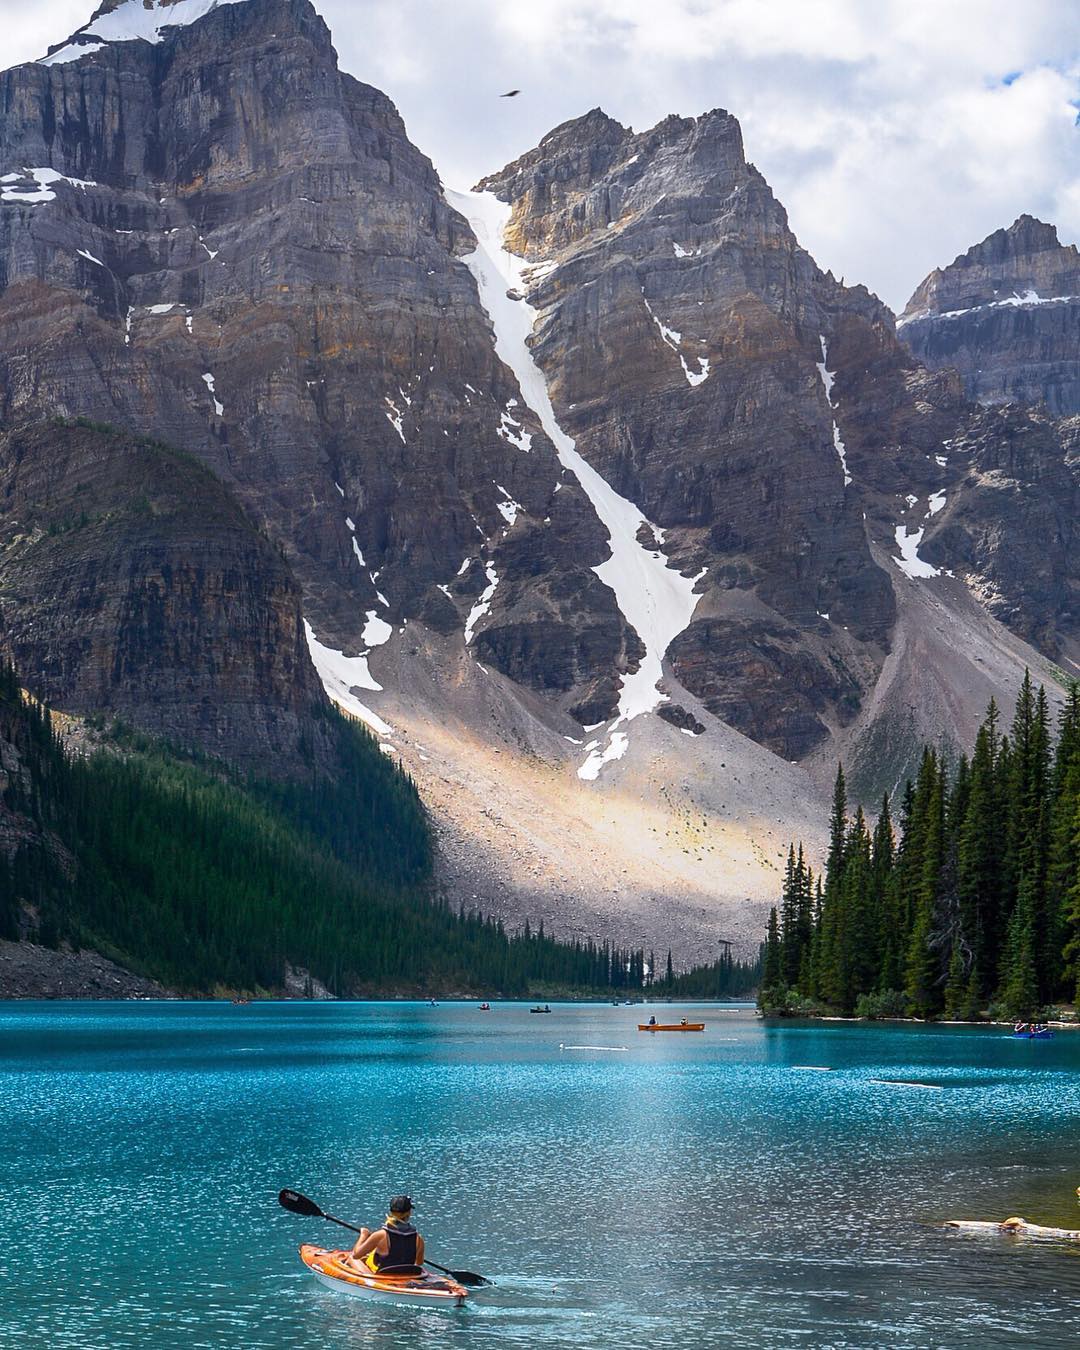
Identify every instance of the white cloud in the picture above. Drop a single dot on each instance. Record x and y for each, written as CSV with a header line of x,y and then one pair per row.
x,y
886,128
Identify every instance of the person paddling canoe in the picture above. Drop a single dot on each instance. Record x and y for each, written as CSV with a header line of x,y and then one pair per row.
x,y
395,1248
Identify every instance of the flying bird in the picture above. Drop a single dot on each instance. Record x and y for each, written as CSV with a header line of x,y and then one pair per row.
x,y
512,94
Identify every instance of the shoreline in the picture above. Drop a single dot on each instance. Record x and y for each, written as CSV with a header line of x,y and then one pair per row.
x,y
1051,1023
31,973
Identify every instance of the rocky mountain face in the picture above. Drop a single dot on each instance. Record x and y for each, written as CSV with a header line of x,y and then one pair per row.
x,y
245,256
1006,315
684,334
132,582
614,515
769,420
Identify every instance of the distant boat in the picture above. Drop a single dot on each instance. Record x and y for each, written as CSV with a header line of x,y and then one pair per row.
x,y
545,1009
671,1026
485,1007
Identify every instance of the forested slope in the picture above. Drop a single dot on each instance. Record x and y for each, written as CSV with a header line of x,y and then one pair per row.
x,y
182,870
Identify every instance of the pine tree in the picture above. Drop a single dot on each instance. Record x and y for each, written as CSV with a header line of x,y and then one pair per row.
x,y
980,858
958,987
772,973
791,954
828,975
923,957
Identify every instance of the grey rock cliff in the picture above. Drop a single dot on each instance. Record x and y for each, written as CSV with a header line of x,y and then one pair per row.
x,y
132,582
1006,315
681,331
248,258
221,240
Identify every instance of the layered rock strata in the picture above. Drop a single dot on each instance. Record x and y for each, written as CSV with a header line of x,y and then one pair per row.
x,y
217,238
1006,315
131,582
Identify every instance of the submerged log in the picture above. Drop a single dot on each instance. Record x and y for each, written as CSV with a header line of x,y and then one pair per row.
x,y
1013,1228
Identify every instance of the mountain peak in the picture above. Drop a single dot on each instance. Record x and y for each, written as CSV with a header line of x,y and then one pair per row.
x,y
130,20
1005,315
108,6
1025,260
1025,236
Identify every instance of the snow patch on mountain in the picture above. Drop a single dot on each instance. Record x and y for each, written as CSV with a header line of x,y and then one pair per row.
x,y
211,385
1029,297
377,632
394,417
674,340
657,601
909,561
483,604
43,179
827,379
511,430
340,676
131,21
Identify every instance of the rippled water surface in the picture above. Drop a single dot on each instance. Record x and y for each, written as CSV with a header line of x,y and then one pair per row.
x,y
689,1191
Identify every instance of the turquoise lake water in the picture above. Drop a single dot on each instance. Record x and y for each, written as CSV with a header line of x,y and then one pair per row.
x,y
691,1191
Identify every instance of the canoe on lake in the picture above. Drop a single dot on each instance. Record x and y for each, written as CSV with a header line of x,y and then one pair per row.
x,y
671,1026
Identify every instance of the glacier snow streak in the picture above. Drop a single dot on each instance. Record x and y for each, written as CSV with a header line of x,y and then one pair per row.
x,y
656,600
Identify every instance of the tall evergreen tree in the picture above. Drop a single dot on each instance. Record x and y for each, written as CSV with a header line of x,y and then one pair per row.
x,y
924,945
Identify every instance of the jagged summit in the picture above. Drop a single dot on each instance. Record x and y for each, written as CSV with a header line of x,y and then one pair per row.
x,y
592,173
1006,314
1024,263
212,235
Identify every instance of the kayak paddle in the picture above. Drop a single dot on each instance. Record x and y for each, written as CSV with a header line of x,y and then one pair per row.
x,y
300,1204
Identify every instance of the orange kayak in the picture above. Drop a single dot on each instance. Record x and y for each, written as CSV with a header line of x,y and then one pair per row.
x,y
671,1026
328,1268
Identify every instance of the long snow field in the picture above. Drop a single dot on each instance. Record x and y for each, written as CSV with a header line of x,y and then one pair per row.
x,y
657,601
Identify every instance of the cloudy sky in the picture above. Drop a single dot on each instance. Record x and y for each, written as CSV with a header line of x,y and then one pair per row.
x,y
896,132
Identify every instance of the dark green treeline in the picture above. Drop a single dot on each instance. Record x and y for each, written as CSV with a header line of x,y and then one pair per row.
x,y
186,872
969,906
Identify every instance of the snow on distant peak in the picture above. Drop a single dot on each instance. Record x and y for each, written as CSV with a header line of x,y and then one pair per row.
x,y
72,52
131,21
1016,300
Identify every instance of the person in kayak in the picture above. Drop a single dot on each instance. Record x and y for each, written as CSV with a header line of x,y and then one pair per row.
x,y
394,1249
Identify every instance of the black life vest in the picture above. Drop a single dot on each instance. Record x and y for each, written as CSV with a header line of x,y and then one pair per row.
x,y
402,1254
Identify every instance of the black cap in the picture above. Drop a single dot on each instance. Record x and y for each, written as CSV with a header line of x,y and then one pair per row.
x,y
401,1204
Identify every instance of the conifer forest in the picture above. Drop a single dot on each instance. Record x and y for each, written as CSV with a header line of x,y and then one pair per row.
x,y
961,902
